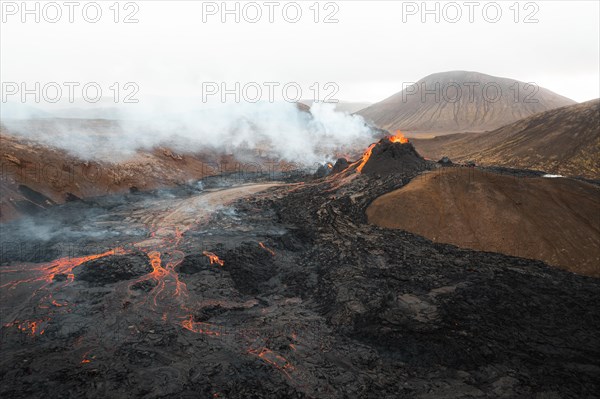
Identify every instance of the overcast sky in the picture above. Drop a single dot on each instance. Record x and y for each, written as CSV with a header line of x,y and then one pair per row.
x,y
368,53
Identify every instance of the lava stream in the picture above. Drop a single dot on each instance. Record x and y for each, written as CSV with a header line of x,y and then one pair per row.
x,y
269,250
58,267
365,158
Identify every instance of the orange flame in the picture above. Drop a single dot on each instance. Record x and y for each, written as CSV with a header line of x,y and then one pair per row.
x,y
213,258
398,138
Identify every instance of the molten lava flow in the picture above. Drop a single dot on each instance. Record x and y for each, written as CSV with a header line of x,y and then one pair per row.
x,y
398,138
199,327
59,305
365,158
34,327
60,267
213,258
165,276
269,250
272,358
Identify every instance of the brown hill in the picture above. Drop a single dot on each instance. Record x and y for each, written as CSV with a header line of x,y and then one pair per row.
x,y
561,141
554,220
463,102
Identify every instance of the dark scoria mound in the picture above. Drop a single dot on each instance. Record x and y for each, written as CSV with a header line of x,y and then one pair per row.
x,y
387,157
113,269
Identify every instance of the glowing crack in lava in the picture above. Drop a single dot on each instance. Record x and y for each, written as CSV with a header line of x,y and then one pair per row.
x,y
213,258
269,250
201,328
164,251
398,138
34,327
275,360
165,275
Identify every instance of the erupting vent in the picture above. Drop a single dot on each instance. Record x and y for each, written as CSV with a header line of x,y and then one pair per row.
x,y
398,138
393,154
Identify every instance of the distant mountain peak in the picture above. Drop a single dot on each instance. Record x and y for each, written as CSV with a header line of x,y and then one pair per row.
x,y
461,101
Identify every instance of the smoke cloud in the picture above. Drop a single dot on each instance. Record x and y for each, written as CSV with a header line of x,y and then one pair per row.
x,y
279,129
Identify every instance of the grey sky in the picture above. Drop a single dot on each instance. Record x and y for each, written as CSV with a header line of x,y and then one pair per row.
x,y
369,53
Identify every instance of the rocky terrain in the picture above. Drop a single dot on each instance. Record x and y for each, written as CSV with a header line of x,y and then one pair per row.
x,y
460,101
562,141
283,291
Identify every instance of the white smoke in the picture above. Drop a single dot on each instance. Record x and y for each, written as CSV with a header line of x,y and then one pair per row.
x,y
280,128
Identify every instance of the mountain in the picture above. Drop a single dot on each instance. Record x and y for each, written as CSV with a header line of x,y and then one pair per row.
x,y
563,141
461,101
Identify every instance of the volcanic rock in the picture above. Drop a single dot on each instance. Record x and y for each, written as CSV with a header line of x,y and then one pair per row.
x,y
192,264
144,285
250,267
445,161
323,171
340,165
112,269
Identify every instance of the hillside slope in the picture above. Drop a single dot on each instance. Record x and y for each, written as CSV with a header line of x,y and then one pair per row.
x,y
554,220
562,141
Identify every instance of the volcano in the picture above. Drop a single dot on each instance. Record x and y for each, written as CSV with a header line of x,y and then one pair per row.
x,y
392,154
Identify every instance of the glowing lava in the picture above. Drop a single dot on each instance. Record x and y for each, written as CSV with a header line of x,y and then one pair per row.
x,y
34,327
365,158
213,258
199,327
59,267
277,361
269,250
398,138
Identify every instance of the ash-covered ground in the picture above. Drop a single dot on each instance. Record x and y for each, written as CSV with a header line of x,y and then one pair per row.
x,y
281,290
